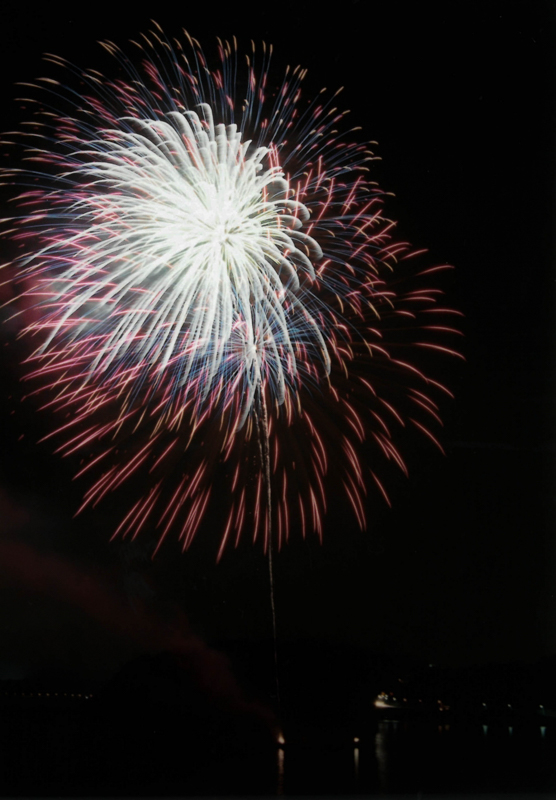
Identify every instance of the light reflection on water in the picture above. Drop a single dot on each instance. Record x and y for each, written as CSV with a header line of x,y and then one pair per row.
x,y
280,771
409,756
381,751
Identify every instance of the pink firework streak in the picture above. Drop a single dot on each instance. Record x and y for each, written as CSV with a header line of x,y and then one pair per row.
x,y
217,298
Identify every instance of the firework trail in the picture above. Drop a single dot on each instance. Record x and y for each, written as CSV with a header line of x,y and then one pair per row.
x,y
199,247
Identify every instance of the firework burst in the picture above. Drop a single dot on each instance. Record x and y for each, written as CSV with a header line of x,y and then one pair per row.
x,y
214,287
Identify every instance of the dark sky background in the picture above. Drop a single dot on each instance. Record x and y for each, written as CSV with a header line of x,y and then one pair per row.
x,y
460,97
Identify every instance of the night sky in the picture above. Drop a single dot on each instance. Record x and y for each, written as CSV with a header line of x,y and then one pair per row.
x,y
462,570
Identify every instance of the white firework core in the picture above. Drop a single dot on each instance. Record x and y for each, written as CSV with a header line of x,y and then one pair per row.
x,y
218,254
